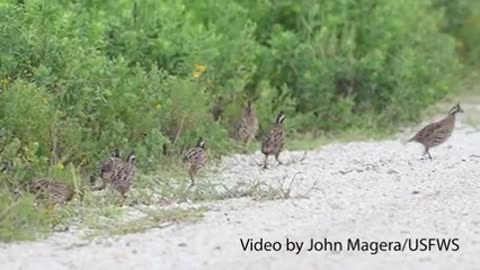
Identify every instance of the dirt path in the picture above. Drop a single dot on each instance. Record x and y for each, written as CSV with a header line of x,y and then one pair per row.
x,y
374,191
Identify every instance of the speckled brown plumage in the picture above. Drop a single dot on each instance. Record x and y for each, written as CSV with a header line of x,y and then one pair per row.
x,y
124,175
196,158
247,127
274,140
437,133
106,170
50,189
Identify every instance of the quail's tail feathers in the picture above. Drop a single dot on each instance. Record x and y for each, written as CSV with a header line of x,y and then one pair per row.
x,y
406,141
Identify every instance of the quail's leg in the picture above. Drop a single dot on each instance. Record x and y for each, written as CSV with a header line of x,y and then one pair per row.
x,y
265,162
192,179
425,153
245,146
121,201
124,198
276,158
428,153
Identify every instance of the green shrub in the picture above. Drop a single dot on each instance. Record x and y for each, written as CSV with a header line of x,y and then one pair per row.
x,y
462,20
346,60
78,79
20,219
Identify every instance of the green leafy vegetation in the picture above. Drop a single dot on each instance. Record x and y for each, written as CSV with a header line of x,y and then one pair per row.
x,y
462,20
81,78
20,220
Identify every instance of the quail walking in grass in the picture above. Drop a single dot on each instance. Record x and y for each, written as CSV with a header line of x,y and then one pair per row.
x,y
437,133
196,158
106,170
123,175
274,140
51,190
247,127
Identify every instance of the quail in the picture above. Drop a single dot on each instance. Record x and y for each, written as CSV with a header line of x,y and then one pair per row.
x,y
437,133
274,140
247,127
123,175
50,189
106,170
196,158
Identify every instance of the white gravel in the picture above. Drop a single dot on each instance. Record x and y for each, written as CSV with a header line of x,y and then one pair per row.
x,y
374,191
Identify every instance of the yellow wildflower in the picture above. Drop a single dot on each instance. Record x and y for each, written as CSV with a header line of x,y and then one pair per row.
x,y
60,166
199,70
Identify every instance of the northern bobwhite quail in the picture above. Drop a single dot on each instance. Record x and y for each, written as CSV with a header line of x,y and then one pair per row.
x,y
124,174
247,127
437,133
274,140
106,170
196,158
50,189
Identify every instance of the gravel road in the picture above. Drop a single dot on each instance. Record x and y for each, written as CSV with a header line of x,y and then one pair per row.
x,y
371,191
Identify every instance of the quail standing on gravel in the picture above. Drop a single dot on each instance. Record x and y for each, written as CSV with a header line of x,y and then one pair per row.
x,y
124,175
106,170
274,140
437,133
196,158
247,127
